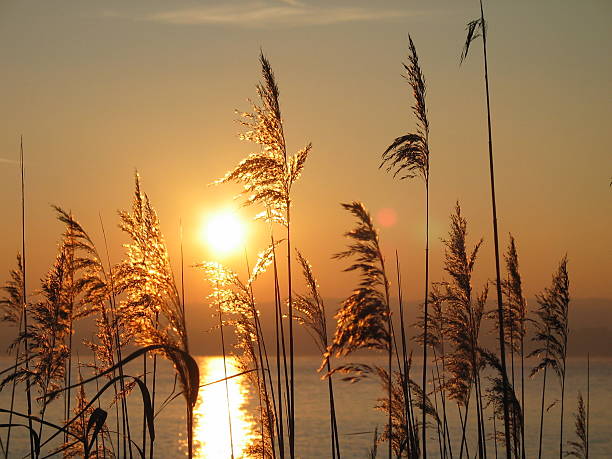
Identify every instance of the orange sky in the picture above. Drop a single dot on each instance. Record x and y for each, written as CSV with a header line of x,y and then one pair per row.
x,y
99,89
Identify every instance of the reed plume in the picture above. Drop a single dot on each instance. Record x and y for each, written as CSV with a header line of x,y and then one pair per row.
x,y
310,312
152,310
364,319
403,440
495,397
267,178
462,322
96,285
515,321
436,339
551,337
236,301
408,157
475,29
48,330
12,307
579,447
11,303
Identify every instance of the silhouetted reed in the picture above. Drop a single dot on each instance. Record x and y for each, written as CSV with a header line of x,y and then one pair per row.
x,y
579,448
475,29
462,324
13,310
408,157
515,320
551,338
310,311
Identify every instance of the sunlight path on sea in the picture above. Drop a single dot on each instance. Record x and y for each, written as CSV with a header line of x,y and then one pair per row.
x,y
211,423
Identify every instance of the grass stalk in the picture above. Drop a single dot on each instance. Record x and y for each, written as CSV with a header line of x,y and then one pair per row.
x,y
24,299
473,28
125,423
229,413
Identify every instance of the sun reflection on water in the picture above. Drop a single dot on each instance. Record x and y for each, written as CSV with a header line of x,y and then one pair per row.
x,y
211,423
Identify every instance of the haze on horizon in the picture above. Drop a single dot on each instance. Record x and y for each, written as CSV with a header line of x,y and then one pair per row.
x,y
99,90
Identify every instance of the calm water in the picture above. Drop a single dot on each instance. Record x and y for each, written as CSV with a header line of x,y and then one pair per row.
x,y
356,416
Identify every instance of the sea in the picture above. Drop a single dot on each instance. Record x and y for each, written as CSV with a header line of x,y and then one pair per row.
x,y
226,419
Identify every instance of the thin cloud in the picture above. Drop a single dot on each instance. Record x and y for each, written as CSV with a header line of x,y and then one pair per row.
x,y
284,13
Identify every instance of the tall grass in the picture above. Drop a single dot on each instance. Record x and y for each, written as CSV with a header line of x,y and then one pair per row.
x,y
364,320
478,28
310,311
515,320
408,157
463,320
152,309
551,338
138,303
579,448
268,177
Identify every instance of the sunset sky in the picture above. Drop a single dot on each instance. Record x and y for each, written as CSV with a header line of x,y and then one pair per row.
x,y
99,89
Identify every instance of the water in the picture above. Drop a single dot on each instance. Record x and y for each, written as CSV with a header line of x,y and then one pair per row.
x,y
356,416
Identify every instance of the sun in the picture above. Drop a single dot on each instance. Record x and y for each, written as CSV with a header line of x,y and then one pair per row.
x,y
224,232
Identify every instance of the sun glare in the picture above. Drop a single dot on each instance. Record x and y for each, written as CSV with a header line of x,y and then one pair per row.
x,y
211,422
224,232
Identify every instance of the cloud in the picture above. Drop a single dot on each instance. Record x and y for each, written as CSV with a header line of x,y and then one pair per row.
x,y
286,13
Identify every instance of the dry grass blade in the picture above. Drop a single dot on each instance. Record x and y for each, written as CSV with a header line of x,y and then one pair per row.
x,y
32,432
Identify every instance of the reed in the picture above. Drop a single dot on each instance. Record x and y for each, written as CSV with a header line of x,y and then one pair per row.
x,y
436,341
475,29
364,320
236,300
95,285
551,338
267,178
462,324
411,426
12,307
310,312
579,448
152,309
408,157
515,320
